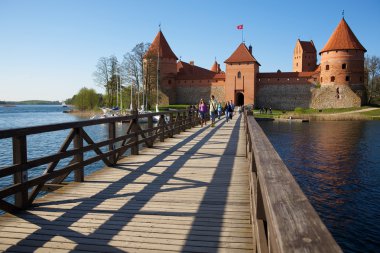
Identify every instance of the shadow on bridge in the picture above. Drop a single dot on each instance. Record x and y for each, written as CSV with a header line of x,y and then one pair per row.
x,y
101,237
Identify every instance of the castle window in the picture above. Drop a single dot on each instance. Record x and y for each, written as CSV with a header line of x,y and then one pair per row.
x,y
347,78
239,75
297,64
169,81
327,67
278,79
321,79
361,78
332,79
344,66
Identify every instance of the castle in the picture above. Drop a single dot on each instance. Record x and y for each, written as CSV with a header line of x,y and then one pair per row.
x,y
337,82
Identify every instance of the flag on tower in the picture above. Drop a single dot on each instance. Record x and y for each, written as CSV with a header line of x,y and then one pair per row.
x,y
240,27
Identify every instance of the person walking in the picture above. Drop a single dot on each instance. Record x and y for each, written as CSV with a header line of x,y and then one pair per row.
x,y
213,110
219,110
232,109
227,110
202,109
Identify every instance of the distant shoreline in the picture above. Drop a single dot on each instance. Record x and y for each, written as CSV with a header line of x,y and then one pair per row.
x,y
29,102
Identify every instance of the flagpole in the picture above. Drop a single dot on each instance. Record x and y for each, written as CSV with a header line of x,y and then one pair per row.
x,y
242,35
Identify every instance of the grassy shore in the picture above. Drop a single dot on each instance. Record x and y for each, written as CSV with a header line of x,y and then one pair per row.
x,y
356,113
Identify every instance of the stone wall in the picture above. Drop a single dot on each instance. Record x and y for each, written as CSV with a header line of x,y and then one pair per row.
x,y
283,96
192,94
327,96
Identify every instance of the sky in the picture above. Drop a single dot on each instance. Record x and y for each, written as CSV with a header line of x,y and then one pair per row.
x,y
49,48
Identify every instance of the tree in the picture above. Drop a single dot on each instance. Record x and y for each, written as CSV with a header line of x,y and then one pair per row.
x,y
372,73
86,99
107,76
133,69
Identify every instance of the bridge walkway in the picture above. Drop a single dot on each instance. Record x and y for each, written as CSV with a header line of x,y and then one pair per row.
x,y
187,194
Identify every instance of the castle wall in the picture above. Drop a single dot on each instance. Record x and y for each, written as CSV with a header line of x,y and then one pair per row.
x,y
334,96
191,91
283,95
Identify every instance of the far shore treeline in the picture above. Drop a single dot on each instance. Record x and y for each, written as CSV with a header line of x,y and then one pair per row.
x,y
30,102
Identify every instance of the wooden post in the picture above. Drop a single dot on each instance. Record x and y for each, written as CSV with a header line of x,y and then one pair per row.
x,y
162,122
135,139
178,123
78,158
171,133
150,133
183,122
20,157
111,136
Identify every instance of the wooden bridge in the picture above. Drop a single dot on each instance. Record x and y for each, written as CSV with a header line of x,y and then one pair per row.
x,y
220,189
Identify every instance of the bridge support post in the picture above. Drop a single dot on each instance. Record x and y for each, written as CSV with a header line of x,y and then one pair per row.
x,y
20,157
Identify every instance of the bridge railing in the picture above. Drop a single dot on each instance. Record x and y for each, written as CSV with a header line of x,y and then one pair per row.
x,y
78,141
283,220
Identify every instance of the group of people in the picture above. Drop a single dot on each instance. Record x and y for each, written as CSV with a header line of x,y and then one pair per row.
x,y
215,109
265,110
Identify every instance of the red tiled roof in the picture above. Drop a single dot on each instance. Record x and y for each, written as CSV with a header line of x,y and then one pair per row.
x,y
285,74
187,71
342,39
241,54
308,46
164,49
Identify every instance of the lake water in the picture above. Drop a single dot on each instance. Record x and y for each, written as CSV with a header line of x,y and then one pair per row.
x,y
47,143
337,165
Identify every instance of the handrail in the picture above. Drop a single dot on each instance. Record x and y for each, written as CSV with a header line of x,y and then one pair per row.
x,y
26,189
283,220
8,133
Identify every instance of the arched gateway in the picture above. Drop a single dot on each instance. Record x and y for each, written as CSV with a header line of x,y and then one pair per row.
x,y
239,99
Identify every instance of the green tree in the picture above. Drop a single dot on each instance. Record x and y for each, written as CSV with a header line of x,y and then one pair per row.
x,y
86,99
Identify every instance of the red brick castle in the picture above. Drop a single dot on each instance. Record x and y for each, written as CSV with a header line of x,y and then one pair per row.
x,y
337,82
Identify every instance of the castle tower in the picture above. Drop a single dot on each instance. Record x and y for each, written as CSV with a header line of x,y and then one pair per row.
x,y
160,53
342,58
342,71
241,70
304,56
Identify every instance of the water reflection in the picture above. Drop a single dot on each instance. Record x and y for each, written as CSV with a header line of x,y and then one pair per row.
x,y
337,165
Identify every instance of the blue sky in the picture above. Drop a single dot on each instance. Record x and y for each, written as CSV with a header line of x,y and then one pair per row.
x,y
49,48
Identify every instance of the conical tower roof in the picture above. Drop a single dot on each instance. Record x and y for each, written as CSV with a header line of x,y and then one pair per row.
x,y
160,43
215,67
343,39
241,54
